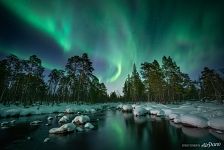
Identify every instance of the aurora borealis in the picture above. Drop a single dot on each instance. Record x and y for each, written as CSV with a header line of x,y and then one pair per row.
x,y
115,33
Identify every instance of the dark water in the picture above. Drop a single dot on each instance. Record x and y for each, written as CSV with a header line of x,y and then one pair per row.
x,y
114,130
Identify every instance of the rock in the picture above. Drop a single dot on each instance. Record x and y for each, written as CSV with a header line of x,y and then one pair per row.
x,y
60,115
5,123
63,119
36,123
50,118
81,119
66,128
46,140
12,121
140,111
154,111
127,108
89,126
69,111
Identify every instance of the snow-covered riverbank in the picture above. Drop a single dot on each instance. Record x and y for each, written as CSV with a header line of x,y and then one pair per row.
x,y
196,114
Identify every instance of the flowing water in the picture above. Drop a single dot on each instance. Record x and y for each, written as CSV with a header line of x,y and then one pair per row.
x,y
113,130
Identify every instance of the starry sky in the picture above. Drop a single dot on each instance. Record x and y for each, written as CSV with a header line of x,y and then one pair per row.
x,y
115,33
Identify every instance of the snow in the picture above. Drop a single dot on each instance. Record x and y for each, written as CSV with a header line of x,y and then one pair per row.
x,y
127,108
216,123
12,121
154,111
193,120
69,111
63,119
66,128
172,116
60,115
193,113
5,123
89,126
20,110
139,111
46,140
81,119
50,118
36,122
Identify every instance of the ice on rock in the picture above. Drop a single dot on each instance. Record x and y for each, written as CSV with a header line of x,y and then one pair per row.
x,y
89,126
66,128
216,123
64,119
127,108
194,120
81,119
139,111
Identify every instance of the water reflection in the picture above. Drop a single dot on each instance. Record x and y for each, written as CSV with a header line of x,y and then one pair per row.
x,y
114,130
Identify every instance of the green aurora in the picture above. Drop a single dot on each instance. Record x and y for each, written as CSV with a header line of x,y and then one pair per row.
x,y
118,33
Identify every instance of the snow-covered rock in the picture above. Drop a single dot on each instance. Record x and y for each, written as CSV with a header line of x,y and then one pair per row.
x,y
5,123
127,108
89,126
193,120
60,115
36,122
154,111
172,116
12,121
46,140
69,111
177,120
50,118
167,112
216,123
140,111
66,128
63,119
119,106
81,119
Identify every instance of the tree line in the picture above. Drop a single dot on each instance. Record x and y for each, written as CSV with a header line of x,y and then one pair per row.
x,y
22,81
166,83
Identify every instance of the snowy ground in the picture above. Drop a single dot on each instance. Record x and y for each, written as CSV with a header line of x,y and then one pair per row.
x,y
195,114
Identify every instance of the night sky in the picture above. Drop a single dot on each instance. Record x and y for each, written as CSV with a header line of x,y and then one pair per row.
x,y
115,33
